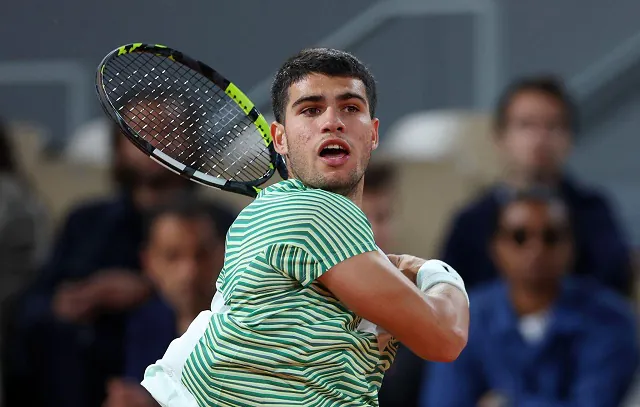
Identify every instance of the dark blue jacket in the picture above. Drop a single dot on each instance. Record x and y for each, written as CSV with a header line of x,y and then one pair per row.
x,y
587,357
602,250
150,330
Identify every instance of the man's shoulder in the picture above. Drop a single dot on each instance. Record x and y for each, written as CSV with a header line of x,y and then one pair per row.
x,y
293,197
477,209
94,210
599,303
584,196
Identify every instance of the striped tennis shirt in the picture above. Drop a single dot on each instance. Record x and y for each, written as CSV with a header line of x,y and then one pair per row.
x,y
284,339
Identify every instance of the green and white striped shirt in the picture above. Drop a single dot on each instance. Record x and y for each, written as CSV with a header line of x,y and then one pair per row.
x,y
284,339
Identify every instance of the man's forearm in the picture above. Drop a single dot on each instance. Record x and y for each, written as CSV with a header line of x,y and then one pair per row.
x,y
452,312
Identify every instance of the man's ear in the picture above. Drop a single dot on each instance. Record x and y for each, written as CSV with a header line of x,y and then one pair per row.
x,y
374,134
279,138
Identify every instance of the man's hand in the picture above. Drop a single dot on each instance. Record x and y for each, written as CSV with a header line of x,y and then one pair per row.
x,y
492,399
125,394
119,289
407,264
109,289
73,302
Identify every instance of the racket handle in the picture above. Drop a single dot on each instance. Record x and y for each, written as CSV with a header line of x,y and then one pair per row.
x,y
281,166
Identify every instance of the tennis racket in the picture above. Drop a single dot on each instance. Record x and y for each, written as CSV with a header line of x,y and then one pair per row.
x,y
188,117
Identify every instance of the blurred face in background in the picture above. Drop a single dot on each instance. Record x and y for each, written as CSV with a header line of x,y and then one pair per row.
x,y
148,182
535,139
183,258
533,246
377,205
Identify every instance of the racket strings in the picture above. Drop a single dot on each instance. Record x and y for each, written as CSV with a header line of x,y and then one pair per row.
x,y
186,116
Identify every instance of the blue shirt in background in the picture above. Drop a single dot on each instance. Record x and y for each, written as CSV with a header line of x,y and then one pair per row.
x,y
150,330
586,358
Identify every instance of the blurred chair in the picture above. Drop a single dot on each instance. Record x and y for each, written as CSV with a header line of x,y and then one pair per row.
x,y
68,180
443,158
82,172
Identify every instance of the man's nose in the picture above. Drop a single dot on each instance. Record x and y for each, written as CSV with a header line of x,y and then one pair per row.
x,y
333,123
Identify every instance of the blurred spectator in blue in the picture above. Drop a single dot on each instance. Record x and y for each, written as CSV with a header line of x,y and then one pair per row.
x,y
182,255
24,239
534,123
73,320
540,337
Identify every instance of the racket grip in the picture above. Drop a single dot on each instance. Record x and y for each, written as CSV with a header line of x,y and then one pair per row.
x,y
281,166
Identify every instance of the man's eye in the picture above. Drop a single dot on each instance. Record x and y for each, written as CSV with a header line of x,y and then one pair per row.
x,y
352,109
311,111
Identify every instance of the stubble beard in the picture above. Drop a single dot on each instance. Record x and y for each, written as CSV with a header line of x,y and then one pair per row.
x,y
302,170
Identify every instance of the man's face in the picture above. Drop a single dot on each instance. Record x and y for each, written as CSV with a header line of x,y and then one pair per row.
x,y
533,246
378,205
183,258
536,139
328,134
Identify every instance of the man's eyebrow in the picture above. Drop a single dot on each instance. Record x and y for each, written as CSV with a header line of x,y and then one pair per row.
x,y
320,98
351,95
306,99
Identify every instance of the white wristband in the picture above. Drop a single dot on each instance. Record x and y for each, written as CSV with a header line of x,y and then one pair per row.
x,y
434,272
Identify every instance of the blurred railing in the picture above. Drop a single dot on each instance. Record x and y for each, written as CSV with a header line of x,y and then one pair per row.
x,y
70,74
613,74
596,86
486,38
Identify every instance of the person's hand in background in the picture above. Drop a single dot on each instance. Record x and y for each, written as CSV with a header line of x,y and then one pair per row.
x,y
121,393
112,289
119,289
493,399
74,302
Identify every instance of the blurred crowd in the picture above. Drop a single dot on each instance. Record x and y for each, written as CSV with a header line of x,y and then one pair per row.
x,y
88,303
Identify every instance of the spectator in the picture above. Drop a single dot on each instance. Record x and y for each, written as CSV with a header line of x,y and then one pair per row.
x,y
24,235
539,338
377,203
73,321
182,255
402,380
534,122
24,223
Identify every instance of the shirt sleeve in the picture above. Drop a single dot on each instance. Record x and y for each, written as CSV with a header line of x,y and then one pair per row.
x,y
322,231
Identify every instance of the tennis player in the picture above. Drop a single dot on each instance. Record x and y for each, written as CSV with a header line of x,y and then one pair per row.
x,y
308,310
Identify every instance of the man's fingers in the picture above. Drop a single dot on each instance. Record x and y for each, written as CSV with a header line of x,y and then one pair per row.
x,y
394,259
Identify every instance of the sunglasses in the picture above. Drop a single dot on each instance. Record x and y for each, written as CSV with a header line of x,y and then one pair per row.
x,y
550,236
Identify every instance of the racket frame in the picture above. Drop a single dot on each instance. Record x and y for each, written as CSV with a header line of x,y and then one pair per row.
x,y
250,188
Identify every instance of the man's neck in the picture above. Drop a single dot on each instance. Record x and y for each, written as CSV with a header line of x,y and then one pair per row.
x,y
528,300
355,195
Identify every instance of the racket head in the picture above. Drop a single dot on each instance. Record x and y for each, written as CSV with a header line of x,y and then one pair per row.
x,y
187,117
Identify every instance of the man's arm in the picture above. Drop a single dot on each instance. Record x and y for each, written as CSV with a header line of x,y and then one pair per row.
x,y
432,324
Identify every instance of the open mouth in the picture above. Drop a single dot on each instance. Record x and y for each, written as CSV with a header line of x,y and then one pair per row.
x,y
333,151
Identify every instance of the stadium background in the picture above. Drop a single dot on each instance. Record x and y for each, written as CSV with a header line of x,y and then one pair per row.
x,y
440,65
